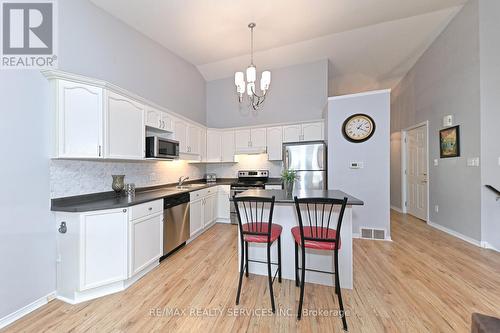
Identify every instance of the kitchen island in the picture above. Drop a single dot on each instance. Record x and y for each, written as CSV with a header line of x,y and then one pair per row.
x,y
285,215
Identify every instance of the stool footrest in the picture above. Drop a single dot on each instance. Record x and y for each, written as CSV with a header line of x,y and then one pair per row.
x,y
262,262
317,271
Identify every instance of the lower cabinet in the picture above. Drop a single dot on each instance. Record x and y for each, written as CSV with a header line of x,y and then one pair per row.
x,y
146,242
223,204
195,216
208,206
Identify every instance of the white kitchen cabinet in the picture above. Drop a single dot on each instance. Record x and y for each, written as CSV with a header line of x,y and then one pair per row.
x,y
180,133
312,131
203,145
223,204
250,139
152,118
167,122
303,132
203,209
242,139
79,120
146,242
125,131
258,137
227,146
196,216
103,248
189,137
193,139
275,143
214,146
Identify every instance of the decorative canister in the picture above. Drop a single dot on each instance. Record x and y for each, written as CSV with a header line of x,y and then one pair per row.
x,y
118,183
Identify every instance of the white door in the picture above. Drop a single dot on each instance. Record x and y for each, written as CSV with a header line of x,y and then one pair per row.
x,y
194,136
80,120
292,133
214,146
242,139
125,128
180,130
153,118
223,203
275,143
227,146
167,122
203,144
195,216
146,242
209,210
258,136
103,248
416,169
312,132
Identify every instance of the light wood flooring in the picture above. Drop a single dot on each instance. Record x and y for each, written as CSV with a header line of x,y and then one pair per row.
x,y
422,281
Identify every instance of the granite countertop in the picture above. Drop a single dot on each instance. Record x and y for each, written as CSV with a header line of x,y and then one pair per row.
x,y
108,200
282,197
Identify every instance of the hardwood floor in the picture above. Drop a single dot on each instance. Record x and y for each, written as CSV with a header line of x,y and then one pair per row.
x,y
423,281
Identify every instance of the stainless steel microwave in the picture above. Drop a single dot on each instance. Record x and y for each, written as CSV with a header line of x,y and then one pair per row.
x,y
157,147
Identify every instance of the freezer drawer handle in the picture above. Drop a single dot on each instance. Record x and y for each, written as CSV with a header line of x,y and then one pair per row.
x,y
63,228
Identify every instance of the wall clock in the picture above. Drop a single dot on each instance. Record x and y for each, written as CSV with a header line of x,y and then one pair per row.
x,y
358,128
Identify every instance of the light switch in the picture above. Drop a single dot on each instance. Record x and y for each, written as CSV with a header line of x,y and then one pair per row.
x,y
355,165
436,162
499,161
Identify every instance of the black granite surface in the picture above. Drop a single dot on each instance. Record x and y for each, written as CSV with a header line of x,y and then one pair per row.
x,y
109,200
282,197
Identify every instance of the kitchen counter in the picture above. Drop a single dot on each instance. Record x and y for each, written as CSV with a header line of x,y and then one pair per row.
x,y
282,197
109,200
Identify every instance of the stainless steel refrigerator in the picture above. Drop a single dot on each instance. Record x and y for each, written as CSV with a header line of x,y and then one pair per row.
x,y
309,160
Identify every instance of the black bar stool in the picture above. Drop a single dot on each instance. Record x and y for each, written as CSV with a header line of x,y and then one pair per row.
x,y
314,232
257,229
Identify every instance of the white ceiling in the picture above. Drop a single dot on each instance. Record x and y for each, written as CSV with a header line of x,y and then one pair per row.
x,y
365,40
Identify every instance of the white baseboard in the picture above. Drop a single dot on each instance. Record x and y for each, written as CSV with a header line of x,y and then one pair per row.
x,y
10,318
487,245
397,209
454,233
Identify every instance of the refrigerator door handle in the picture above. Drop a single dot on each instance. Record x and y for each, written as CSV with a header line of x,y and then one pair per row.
x,y
287,159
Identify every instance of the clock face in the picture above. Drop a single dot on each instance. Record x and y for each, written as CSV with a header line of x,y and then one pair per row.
x,y
358,128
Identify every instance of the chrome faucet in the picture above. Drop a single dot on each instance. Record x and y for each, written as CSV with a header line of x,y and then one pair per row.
x,y
182,180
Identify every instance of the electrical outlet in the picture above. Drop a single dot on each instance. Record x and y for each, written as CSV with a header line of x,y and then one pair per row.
x,y
436,208
436,162
356,165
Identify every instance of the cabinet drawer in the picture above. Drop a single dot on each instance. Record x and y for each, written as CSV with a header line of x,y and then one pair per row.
x,y
195,195
145,209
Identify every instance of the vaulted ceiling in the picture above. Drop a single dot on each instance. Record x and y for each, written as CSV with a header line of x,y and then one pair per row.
x,y
371,44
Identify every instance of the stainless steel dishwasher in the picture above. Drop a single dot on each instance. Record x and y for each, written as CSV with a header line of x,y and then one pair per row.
x,y
175,222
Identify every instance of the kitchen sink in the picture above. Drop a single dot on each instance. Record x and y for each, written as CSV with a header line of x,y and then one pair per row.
x,y
189,186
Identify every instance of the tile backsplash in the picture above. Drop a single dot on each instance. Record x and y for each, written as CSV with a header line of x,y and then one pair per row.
x,y
69,177
246,162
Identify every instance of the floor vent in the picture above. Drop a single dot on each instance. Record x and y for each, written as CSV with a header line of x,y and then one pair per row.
x,y
372,233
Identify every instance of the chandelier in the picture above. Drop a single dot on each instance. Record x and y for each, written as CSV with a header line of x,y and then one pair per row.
x,y
255,100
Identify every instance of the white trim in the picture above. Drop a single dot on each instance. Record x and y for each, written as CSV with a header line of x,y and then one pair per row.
x,y
18,314
486,245
397,209
366,93
454,233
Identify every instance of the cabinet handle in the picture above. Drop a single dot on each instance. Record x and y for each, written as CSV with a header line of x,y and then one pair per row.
x,y
150,208
99,150
62,227
124,210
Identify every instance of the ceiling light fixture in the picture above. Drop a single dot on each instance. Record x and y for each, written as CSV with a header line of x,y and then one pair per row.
x,y
256,101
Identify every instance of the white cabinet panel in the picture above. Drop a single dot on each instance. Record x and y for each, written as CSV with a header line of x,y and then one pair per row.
x,y
227,146
214,146
196,216
275,143
203,144
124,128
312,131
194,137
292,133
242,139
80,119
103,249
258,137
180,132
223,204
146,242
152,118
167,122
209,210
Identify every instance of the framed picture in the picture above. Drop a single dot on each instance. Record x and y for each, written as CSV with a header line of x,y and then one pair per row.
x,y
449,142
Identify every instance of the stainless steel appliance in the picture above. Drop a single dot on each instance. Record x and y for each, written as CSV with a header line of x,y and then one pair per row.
x,y
175,222
157,147
211,178
309,160
247,179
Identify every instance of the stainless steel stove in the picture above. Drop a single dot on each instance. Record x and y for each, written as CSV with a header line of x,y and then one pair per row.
x,y
247,179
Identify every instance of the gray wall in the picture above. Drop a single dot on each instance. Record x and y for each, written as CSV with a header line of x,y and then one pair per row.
x,y
27,230
95,44
370,183
445,80
489,12
297,93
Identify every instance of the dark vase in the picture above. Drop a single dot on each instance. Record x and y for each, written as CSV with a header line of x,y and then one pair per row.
x,y
118,183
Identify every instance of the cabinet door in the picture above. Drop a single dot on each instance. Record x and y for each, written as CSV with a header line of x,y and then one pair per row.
x,y
312,131
194,136
209,210
242,139
275,143
152,118
196,216
203,145
79,120
125,128
292,133
103,248
214,146
227,146
223,203
258,136
180,132
167,121
146,242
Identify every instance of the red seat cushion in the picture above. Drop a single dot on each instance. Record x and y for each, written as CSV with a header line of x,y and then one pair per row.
x,y
261,227
313,232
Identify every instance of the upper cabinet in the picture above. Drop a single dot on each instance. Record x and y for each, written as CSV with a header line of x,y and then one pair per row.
x,y
227,146
275,143
190,137
158,119
180,133
303,132
79,109
194,139
220,146
250,140
125,135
